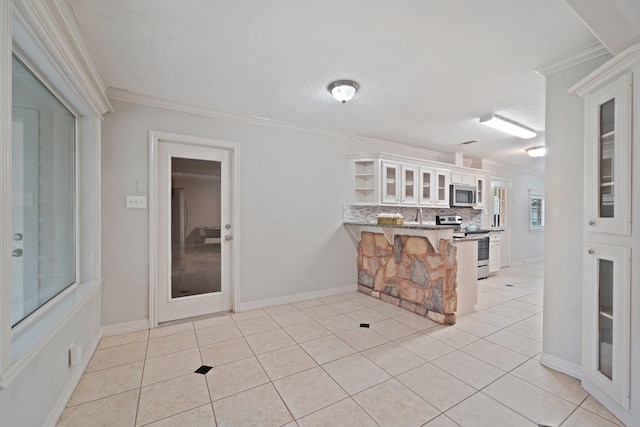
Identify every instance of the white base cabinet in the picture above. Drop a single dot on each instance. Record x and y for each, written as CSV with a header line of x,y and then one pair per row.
x,y
494,253
611,263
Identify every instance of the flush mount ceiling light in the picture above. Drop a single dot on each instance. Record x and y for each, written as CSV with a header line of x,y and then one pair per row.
x,y
343,90
508,126
538,151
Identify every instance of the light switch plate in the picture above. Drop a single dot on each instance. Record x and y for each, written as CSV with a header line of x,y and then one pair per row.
x,y
136,202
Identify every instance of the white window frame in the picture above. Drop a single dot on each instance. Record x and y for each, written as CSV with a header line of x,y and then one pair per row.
x,y
40,46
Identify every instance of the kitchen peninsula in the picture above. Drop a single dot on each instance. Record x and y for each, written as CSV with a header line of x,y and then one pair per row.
x,y
411,265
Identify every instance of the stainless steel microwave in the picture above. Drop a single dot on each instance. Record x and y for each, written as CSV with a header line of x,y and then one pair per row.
x,y
462,196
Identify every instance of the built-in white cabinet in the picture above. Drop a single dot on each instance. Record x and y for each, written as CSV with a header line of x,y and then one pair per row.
x,y
608,158
494,253
611,242
606,320
390,183
409,185
385,179
364,181
480,181
459,177
442,188
426,196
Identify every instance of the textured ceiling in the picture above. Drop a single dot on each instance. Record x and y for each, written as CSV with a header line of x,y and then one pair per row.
x,y
427,69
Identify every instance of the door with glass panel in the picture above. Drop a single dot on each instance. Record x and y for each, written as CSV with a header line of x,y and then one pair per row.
x,y
43,237
608,159
194,230
606,341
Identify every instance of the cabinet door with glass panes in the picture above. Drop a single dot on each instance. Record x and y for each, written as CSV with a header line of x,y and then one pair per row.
x,y
480,182
442,180
390,183
426,186
606,314
608,159
409,185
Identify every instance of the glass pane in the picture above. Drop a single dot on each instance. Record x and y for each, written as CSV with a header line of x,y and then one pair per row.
x,y
426,185
606,161
391,181
441,186
605,306
409,183
43,234
195,227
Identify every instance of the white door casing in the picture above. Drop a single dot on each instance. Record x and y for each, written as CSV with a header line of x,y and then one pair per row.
x,y
163,147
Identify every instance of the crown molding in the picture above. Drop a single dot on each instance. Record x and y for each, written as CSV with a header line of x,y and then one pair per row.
x,y
620,64
152,101
42,31
588,53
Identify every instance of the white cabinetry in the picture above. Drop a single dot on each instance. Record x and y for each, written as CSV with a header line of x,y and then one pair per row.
x,y
426,186
494,252
409,185
364,182
606,318
611,245
464,178
442,188
390,183
608,158
386,179
480,181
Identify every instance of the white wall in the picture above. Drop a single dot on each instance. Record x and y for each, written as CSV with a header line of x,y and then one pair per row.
x,y
562,328
526,246
293,186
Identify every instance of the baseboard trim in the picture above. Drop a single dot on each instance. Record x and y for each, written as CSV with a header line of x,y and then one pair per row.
x,y
122,328
254,305
56,413
561,365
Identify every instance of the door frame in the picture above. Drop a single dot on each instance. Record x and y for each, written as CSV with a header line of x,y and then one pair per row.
x,y
155,137
507,233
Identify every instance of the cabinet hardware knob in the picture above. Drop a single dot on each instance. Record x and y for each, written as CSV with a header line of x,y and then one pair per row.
x,y
592,223
16,253
591,251
228,237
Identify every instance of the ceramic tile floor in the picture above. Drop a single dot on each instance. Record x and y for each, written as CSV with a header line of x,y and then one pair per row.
x,y
311,364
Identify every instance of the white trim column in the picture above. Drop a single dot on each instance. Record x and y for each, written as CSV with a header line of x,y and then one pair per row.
x,y
5,182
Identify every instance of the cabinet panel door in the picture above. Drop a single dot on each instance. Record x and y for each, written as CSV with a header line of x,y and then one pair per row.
x,y
426,187
608,159
390,183
479,182
409,184
442,187
607,321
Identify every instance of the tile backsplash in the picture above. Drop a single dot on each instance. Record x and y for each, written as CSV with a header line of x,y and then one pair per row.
x,y
370,213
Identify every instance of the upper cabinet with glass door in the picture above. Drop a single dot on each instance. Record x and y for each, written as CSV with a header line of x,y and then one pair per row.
x,y
608,158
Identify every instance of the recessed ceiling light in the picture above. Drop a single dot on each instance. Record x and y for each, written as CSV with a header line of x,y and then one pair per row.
x,y
506,125
343,90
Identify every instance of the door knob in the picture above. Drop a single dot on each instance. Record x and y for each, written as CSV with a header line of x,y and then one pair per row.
x,y
592,223
16,253
228,237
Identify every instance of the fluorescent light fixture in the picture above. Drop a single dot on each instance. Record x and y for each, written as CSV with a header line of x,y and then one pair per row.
x,y
343,90
508,126
539,151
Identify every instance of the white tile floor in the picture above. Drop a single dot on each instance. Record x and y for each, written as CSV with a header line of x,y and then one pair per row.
x,y
310,364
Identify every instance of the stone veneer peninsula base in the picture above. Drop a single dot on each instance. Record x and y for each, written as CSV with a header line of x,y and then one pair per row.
x,y
410,273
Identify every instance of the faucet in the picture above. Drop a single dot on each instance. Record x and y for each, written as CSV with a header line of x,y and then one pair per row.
x,y
419,216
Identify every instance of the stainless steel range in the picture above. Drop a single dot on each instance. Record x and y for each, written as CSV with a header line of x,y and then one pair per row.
x,y
480,234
